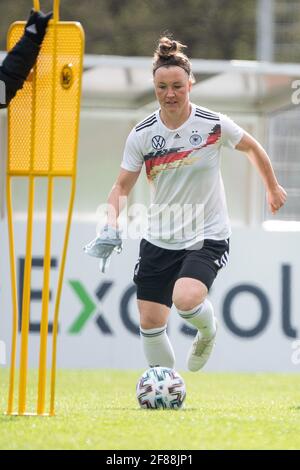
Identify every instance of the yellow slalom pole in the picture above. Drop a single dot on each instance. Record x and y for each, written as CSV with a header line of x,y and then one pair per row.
x,y
45,305
32,155
62,266
27,274
10,407
47,256
26,302
58,296
36,6
56,4
61,276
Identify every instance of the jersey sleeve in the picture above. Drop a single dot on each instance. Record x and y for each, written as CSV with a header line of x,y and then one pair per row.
x,y
231,133
132,157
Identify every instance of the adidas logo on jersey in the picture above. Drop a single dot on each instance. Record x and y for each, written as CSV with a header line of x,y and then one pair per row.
x,y
177,136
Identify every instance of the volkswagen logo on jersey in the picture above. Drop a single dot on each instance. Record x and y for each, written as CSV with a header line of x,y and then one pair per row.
x,y
195,139
158,142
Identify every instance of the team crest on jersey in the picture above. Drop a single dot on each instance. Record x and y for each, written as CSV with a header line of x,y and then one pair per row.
x,y
158,142
195,139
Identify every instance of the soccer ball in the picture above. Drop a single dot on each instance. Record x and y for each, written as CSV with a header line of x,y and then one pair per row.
x,y
160,387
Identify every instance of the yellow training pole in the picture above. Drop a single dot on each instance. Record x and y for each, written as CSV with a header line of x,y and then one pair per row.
x,y
42,142
47,255
10,407
36,6
58,296
27,274
63,259
26,302
56,4
45,306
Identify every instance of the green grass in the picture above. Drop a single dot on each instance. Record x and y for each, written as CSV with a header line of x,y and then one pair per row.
x,y
98,410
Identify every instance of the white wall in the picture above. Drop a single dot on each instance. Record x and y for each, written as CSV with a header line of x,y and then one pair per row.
x,y
262,276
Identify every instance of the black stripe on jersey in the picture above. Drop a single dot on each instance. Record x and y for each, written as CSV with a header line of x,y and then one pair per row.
x,y
151,120
205,111
206,115
146,120
144,127
208,118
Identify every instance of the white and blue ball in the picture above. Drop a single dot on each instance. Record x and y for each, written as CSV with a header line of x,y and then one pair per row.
x,y
161,387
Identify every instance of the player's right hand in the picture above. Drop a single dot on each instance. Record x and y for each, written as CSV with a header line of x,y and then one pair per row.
x,y
108,240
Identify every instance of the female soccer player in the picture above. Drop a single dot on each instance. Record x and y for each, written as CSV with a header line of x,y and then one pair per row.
x,y
187,240
20,60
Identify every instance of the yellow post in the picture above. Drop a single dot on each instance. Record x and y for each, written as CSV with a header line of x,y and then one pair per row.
x,y
45,305
36,6
15,313
47,256
26,303
43,129
27,270
58,296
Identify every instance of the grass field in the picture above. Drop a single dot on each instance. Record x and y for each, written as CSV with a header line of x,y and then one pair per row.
x,y
98,410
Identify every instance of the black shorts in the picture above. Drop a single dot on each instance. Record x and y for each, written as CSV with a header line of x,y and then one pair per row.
x,y
157,269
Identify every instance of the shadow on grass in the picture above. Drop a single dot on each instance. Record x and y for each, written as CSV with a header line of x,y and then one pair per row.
x,y
8,418
181,410
295,408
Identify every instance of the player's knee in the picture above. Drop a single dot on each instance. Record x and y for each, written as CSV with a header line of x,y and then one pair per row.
x,y
147,322
188,293
188,298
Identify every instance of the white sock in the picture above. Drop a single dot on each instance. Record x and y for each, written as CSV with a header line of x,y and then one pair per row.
x,y
157,347
202,317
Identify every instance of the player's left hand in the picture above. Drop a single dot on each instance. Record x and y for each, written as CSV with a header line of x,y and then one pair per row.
x,y
276,198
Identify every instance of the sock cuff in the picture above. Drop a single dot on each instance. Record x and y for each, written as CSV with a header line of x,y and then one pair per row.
x,y
153,332
190,313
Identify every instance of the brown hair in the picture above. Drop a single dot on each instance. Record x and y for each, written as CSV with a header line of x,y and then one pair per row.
x,y
169,52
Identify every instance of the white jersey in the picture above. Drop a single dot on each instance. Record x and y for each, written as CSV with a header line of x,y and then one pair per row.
x,y
183,168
